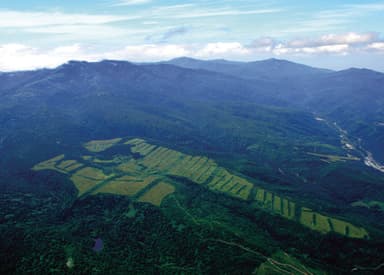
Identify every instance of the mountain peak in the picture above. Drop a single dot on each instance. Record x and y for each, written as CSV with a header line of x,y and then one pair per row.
x,y
272,68
183,59
359,72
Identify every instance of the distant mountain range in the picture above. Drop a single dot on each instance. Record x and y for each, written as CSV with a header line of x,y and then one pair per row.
x,y
271,69
354,97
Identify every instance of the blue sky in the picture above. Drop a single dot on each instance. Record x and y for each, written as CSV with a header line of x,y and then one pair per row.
x,y
332,34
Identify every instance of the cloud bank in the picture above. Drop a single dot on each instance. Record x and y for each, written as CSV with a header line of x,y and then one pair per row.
x,y
23,57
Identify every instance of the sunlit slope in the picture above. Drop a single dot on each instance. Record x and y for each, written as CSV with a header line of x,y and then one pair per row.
x,y
148,174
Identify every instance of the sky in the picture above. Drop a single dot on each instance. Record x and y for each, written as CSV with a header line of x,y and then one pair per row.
x,y
330,33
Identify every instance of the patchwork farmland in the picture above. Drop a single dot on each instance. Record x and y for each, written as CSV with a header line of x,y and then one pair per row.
x,y
148,177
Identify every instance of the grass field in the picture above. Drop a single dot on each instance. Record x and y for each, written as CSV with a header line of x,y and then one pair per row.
x,y
69,165
348,229
156,194
130,167
87,178
285,210
277,205
96,146
126,185
260,195
133,175
307,218
49,164
326,224
134,141
196,168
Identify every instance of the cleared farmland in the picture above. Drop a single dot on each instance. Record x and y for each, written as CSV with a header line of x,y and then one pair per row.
x,y
101,145
195,168
326,224
126,185
49,164
87,178
156,194
275,203
145,177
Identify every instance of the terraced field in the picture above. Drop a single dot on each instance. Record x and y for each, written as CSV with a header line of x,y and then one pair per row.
x,y
147,178
195,168
275,203
306,216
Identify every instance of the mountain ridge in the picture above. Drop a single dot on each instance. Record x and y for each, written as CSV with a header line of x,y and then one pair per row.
x,y
190,59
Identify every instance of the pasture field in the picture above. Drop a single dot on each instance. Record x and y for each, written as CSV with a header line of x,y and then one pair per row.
x,y
277,205
97,146
69,165
125,185
49,164
306,218
130,167
348,229
286,209
260,195
134,141
87,178
156,194
130,176
326,224
86,157
274,202
196,168
291,209
202,175
322,223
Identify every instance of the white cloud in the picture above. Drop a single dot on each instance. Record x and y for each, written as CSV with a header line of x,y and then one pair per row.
x,y
222,49
149,52
330,49
18,19
224,12
150,23
349,38
131,2
24,57
367,7
175,7
21,57
379,46
15,57
86,32
262,44
339,44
